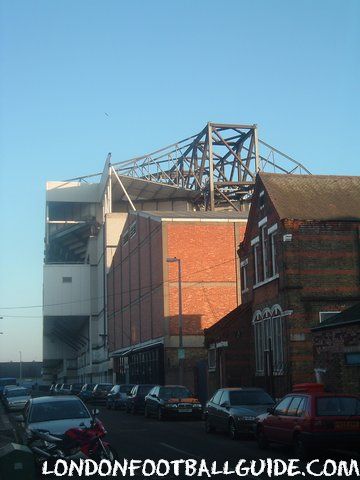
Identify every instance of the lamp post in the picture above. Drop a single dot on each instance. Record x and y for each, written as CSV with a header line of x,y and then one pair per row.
x,y
20,380
181,351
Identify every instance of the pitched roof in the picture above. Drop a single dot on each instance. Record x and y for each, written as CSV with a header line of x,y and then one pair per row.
x,y
239,312
314,197
348,316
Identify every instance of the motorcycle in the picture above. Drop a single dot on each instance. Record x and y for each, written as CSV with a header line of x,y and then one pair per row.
x,y
76,443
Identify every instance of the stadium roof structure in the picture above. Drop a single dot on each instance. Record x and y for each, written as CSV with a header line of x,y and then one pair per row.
x,y
215,168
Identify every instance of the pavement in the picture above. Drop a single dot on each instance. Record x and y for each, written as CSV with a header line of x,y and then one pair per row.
x,y
7,431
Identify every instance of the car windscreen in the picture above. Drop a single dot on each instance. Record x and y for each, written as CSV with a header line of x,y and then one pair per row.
x,y
174,392
89,386
7,381
60,410
125,388
144,389
104,388
337,406
76,386
21,392
240,397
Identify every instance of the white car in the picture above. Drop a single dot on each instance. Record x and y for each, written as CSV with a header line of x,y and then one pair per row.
x,y
16,398
54,415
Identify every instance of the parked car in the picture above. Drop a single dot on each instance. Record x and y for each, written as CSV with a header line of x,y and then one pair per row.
x,y
57,388
234,410
6,391
100,392
64,389
6,381
53,414
171,400
135,401
86,392
309,417
16,398
117,396
75,388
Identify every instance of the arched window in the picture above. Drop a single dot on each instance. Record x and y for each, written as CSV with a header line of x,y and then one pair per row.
x,y
268,332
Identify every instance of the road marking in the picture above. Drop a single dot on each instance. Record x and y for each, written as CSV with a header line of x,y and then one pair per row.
x,y
191,455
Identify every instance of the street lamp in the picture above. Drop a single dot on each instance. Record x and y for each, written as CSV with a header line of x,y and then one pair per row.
x,y
20,367
181,351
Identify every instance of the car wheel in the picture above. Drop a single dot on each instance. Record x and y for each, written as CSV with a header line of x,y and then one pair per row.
x,y
160,414
262,440
300,449
208,427
146,412
233,432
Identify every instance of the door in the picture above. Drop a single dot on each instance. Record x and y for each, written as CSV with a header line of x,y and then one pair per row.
x,y
274,422
223,410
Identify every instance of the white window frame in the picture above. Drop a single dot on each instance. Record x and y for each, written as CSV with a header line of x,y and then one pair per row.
x,y
256,271
244,273
264,252
212,365
272,231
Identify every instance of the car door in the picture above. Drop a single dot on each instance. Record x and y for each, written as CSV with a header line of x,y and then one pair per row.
x,y
223,410
132,396
290,421
273,422
212,408
152,400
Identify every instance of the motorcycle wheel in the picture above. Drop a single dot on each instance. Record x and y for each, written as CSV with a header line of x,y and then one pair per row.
x,y
109,453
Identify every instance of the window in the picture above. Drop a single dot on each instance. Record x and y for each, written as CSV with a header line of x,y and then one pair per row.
x,y
273,270
337,406
66,279
243,267
268,325
352,358
261,200
256,263
294,405
282,407
217,396
264,248
325,315
132,230
212,359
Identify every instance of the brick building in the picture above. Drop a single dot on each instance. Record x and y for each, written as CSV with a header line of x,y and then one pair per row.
x,y
299,265
142,288
230,348
337,350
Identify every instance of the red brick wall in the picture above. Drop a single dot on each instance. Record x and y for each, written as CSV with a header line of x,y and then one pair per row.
x,y
210,279
143,305
136,283
330,346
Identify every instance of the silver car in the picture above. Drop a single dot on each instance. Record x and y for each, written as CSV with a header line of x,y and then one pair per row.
x,y
53,414
16,398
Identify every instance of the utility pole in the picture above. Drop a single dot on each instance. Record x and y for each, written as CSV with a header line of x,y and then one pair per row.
x,y
181,351
20,380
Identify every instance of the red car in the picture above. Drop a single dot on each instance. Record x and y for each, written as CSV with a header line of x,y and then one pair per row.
x,y
309,417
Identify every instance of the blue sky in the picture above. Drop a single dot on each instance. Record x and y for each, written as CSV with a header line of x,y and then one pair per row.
x,y
160,70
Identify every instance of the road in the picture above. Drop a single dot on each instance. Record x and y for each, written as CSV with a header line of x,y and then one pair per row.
x,y
135,437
